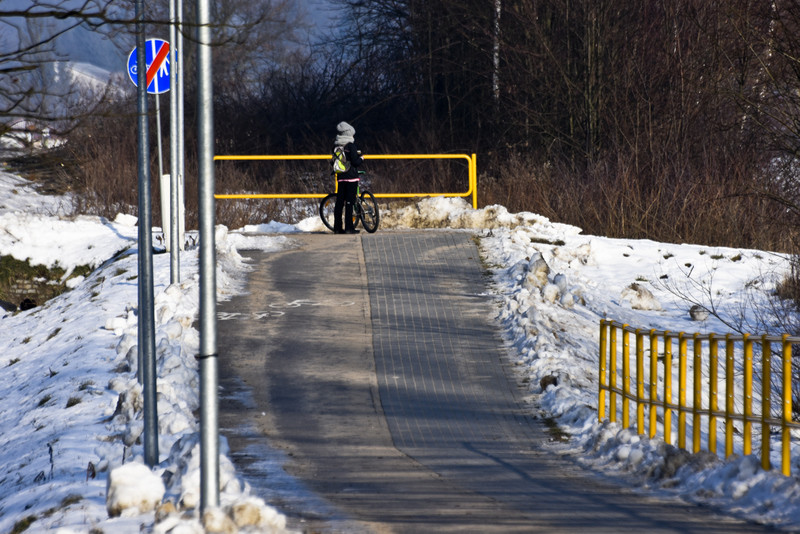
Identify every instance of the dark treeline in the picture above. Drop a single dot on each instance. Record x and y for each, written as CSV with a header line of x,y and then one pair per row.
x,y
674,120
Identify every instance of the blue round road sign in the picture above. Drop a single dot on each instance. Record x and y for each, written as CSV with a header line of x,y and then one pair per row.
x,y
157,60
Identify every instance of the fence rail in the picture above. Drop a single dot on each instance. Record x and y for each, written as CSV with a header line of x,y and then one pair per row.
x,y
472,175
747,389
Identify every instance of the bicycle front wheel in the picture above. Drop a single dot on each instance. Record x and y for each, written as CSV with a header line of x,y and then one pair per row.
x,y
326,210
369,215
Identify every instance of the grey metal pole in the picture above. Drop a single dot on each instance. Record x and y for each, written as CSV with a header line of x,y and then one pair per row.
x,y
209,424
142,151
158,136
174,249
181,116
147,343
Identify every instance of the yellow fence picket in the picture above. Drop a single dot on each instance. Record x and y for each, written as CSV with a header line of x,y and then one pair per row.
x,y
753,405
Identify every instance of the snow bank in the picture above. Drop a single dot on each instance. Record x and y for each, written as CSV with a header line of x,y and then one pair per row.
x,y
177,343
457,213
48,241
72,411
554,295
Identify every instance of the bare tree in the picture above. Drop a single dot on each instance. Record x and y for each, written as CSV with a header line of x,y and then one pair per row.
x,y
34,86
38,86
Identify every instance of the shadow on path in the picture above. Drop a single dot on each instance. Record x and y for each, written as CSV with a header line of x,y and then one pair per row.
x,y
365,389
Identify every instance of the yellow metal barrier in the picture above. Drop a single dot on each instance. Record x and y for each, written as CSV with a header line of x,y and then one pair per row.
x,y
472,175
752,405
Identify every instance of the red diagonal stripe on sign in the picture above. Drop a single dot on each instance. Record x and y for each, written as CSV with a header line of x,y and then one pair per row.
x,y
156,64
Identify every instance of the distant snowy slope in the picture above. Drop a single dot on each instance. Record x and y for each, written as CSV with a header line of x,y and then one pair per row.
x,y
80,44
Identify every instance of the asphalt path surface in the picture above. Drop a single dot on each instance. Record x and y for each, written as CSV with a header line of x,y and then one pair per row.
x,y
366,389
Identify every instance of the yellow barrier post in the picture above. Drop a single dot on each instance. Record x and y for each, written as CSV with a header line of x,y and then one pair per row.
x,y
697,401
667,388
766,391
601,397
653,382
713,406
682,342
729,406
748,395
612,375
786,436
639,382
626,376
474,185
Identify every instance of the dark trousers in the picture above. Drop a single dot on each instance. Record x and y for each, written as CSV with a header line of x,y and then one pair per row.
x,y
345,198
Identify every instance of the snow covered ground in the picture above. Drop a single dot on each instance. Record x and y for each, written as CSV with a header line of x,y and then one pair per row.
x,y
71,411
71,414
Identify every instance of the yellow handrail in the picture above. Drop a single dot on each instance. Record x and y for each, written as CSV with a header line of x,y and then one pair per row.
x,y
472,175
752,406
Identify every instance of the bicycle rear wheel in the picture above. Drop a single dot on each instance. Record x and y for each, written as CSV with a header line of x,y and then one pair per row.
x,y
326,210
369,214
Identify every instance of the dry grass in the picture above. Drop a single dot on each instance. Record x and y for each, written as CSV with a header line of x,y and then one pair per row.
x,y
711,206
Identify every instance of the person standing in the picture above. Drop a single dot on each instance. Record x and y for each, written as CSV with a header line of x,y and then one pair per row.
x,y
347,178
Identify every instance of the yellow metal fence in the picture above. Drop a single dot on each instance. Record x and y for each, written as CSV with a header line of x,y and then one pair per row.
x,y
472,175
714,388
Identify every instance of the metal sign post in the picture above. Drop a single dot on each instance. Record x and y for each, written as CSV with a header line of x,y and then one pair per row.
x,y
174,172
209,408
160,74
147,343
181,142
181,115
158,80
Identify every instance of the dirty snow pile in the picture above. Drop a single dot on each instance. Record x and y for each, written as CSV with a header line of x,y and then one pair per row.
x,y
72,406
557,284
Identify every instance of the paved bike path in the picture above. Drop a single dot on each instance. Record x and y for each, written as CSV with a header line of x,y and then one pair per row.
x,y
372,364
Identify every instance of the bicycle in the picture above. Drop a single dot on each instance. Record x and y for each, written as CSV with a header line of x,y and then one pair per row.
x,y
365,210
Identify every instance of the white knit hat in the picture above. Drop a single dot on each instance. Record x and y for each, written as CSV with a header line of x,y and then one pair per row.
x,y
345,129
346,133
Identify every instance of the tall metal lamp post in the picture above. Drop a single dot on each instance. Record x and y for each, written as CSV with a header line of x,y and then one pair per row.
x,y
146,328
209,423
